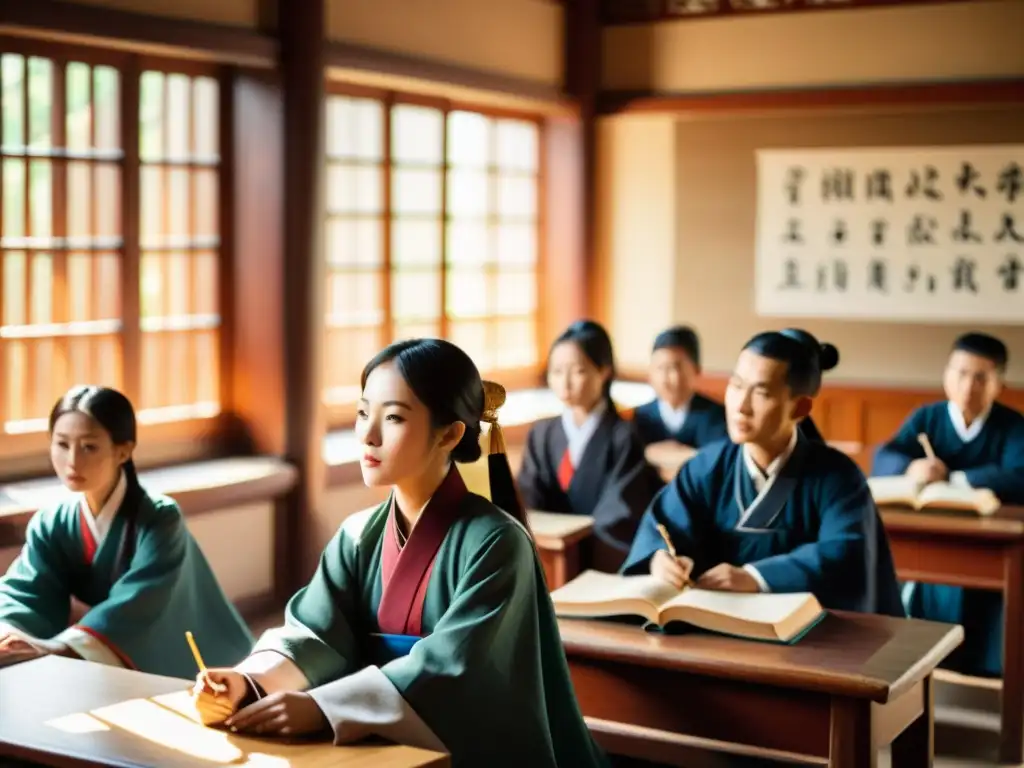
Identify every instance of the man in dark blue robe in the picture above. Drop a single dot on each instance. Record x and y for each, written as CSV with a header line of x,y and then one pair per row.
x,y
678,413
772,511
978,443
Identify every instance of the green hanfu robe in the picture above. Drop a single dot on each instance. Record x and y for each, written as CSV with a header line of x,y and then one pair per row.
x,y
145,582
449,643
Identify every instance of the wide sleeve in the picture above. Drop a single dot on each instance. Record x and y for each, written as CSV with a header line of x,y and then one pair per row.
x,y
629,486
534,477
317,643
686,509
893,457
1005,478
838,565
35,596
482,653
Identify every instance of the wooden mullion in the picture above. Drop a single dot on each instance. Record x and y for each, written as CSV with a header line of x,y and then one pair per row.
x,y
226,238
388,327
191,337
59,220
3,259
443,325
161,341
540,244
27,390
493,173
131,330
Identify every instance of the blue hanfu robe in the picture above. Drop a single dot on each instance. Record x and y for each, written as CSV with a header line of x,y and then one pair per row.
x,y
611,481
704,423
446,642
145,584
989,454
814,527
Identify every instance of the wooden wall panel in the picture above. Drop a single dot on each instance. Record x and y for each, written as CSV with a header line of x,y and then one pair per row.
x,y
868,415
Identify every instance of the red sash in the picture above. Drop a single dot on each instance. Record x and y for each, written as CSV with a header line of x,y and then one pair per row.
x,y
405,571
565,471
88,540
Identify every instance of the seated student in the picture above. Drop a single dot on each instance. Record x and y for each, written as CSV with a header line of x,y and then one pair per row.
x,y
772,511
588,461
679,412
427,621
978,443
122,551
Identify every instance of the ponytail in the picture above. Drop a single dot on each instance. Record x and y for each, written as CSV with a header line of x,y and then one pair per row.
x,y
131,476
130,511
504,494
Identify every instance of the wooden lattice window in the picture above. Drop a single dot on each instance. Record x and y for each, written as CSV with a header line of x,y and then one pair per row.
x,y
109,234
432,229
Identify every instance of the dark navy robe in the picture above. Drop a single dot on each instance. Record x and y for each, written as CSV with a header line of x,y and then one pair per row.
x,y
993,459
810,430
704,424
814,529
612,481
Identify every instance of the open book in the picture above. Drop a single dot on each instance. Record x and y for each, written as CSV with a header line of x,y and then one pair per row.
x,y
904,491
775,617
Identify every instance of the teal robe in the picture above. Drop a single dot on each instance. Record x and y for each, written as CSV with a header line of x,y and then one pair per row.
x,y
488,675
146,584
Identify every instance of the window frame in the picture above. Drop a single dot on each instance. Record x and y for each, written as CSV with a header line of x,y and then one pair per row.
x,y
159,442
341,415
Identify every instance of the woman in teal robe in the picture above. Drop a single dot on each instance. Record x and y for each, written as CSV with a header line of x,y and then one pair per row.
x,y
125,553
427,621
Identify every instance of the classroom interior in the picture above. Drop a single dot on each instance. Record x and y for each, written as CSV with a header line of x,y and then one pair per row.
x,y
239,275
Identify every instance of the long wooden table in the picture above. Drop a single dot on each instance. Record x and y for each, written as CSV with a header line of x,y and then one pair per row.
x,y
67,712
853,684
981,553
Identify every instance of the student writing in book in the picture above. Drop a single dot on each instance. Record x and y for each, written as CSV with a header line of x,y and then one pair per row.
x,y
975,442
679,412
588,461
772,511
122,551
427,621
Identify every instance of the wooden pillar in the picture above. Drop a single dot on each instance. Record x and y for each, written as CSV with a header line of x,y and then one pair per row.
x,y
582,84
301,28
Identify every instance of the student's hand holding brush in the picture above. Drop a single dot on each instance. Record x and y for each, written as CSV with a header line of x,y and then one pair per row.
x,y
669,566
217,692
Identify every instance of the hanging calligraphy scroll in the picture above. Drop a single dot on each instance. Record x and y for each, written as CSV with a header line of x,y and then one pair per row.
x,y
911,234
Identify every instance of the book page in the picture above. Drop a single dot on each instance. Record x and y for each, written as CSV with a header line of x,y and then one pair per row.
x,y
980,499
771,609
898,489
595,587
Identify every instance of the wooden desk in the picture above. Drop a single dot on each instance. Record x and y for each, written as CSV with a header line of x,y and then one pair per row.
x,y
854,684
66,712
668,458
982,553
558,539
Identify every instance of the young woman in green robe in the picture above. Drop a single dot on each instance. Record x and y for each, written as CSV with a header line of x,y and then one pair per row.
x,y
428,620
123,552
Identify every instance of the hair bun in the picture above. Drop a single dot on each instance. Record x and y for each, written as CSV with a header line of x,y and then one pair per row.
x,y
828,357
468,451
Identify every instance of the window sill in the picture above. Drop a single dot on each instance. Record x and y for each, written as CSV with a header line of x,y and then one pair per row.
x,y
197,487
341,450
